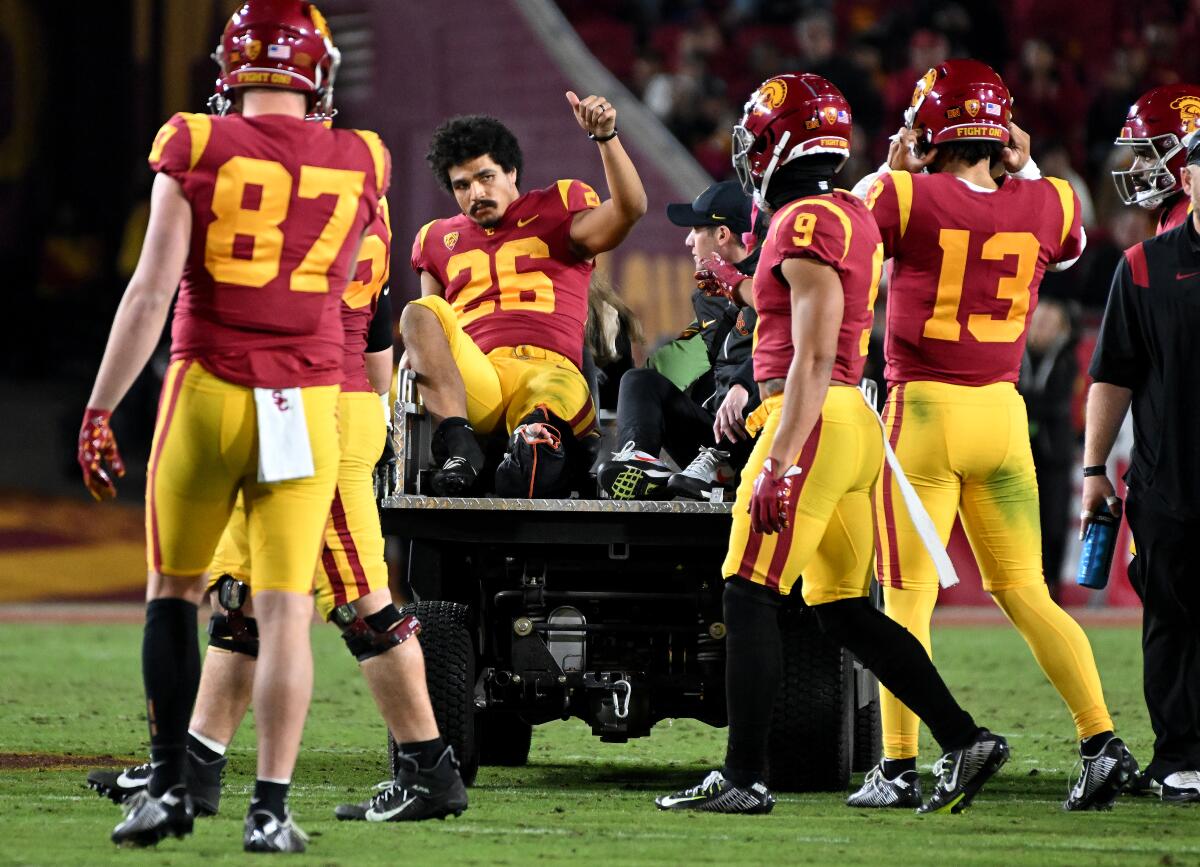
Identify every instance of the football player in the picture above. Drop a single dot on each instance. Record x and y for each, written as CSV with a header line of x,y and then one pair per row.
x,y
968,252
804,503
260,213
351,591
497,336
1154,131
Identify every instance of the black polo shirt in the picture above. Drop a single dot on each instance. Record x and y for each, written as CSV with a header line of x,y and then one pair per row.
x,y
1150,343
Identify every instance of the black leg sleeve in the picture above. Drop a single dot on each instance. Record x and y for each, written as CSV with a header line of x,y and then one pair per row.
x,y
753,662
171,673
901,664
640,403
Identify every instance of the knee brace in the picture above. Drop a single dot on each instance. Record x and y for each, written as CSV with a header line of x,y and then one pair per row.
x,y
370,636
233,631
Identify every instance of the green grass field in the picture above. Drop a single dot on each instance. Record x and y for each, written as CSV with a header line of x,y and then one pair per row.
x,y
71,692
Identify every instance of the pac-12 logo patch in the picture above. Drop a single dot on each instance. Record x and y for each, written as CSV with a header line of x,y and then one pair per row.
x,y
450,239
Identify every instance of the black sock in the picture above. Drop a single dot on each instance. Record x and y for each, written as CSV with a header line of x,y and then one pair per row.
x,y
895,656
893,768
425,753
171,674
1092,746
271,797
753,665
201,751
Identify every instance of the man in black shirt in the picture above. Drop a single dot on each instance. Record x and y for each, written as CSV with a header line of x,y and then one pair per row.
x,y
1148,354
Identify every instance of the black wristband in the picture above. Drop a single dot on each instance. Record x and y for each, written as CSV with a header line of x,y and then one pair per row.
x,y
612,135
1095,470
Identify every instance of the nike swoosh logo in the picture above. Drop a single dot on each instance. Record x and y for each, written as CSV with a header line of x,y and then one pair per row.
x,y
705,324
669,801
953,784
129,782
1179,275
527,221
384,815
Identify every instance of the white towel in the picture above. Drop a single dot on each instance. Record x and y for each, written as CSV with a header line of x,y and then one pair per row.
x,y
284,451
947,577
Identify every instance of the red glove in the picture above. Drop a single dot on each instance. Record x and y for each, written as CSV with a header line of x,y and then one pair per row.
x,y
98,456
718,277
771,502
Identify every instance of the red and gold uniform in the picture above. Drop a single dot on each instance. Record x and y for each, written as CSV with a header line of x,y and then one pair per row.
x,y
279,206
515,306
1172,215
829,538
966,266
352,562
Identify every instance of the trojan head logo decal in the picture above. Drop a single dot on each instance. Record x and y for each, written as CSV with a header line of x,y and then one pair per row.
x,y
450,239
972,106
830,114
769,96
923,87
253,47
1189,111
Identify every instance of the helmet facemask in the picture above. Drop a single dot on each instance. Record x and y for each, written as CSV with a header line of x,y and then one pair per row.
x,y
1148,180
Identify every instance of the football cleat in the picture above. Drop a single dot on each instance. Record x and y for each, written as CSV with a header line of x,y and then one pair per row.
x,y
878,791
416,794
1181,787
266,832
458,457
148,819
962,773
709,471
1104,776
634,475
715,794
203,782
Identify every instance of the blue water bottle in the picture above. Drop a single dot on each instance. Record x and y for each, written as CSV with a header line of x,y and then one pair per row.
x,y
1099,544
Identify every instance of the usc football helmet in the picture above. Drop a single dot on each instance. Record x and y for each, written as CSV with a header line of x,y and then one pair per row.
x,y
277,43
959,100
788,117
1156,130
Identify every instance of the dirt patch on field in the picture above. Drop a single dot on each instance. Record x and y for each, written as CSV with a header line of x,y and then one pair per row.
x,y
25,761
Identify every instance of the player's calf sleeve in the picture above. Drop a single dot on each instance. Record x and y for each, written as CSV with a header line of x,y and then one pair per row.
x,y
753,662
1061,648
171,673
912,609
901,664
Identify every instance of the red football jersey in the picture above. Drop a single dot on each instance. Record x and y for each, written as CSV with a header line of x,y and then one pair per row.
x,y
519,282
837,230
362,297
279,206
966,266
1174,213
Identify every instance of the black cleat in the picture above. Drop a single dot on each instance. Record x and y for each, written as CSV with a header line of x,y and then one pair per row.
x,y
634,475
962,773
266,832
715,794
1104,776
415,794
878,791
149,819
457,456
203,781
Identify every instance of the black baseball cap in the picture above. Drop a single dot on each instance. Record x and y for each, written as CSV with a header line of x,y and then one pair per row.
x,y
722,204
1193,150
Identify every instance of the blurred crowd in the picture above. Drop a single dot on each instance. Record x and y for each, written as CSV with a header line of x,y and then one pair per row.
x,y
1073,67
